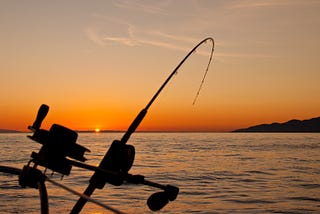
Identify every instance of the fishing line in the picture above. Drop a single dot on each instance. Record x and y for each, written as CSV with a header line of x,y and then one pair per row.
x,y
92,200
205,73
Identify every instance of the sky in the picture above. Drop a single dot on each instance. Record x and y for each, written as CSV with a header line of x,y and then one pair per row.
x,y
98,63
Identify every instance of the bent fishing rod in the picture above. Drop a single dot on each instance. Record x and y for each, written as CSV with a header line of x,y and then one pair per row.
x,y
98,180
60,152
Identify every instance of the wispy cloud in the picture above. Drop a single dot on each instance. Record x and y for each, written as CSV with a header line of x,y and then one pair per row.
x,y
144,38
94,36
151,7
130,30
123,40
271,3
172,37
132,35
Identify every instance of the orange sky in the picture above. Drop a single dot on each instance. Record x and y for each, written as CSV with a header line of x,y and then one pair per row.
x,y
98,63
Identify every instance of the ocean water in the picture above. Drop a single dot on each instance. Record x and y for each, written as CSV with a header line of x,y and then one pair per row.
x,y
216,173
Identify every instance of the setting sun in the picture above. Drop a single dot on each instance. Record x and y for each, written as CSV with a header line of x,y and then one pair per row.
x,y
97,130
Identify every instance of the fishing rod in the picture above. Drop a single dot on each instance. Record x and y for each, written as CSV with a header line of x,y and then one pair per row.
x,y
60,152
134,125
97,180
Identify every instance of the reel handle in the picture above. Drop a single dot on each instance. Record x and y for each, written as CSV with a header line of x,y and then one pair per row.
x,y
42,113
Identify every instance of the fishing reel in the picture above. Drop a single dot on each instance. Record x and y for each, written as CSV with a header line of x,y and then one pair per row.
x,y
118,159
58,143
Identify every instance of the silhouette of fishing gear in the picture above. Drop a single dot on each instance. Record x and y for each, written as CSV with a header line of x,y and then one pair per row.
x,y
60,152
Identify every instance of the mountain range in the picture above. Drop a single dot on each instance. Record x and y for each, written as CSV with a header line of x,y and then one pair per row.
x,y
310,125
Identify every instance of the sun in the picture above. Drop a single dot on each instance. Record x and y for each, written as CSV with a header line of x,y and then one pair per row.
x,y
97,130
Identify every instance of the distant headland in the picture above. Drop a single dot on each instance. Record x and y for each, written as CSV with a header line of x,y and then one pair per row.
x,y
310,125
8,131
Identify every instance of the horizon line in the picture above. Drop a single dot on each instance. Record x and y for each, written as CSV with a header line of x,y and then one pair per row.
x,y
123,131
